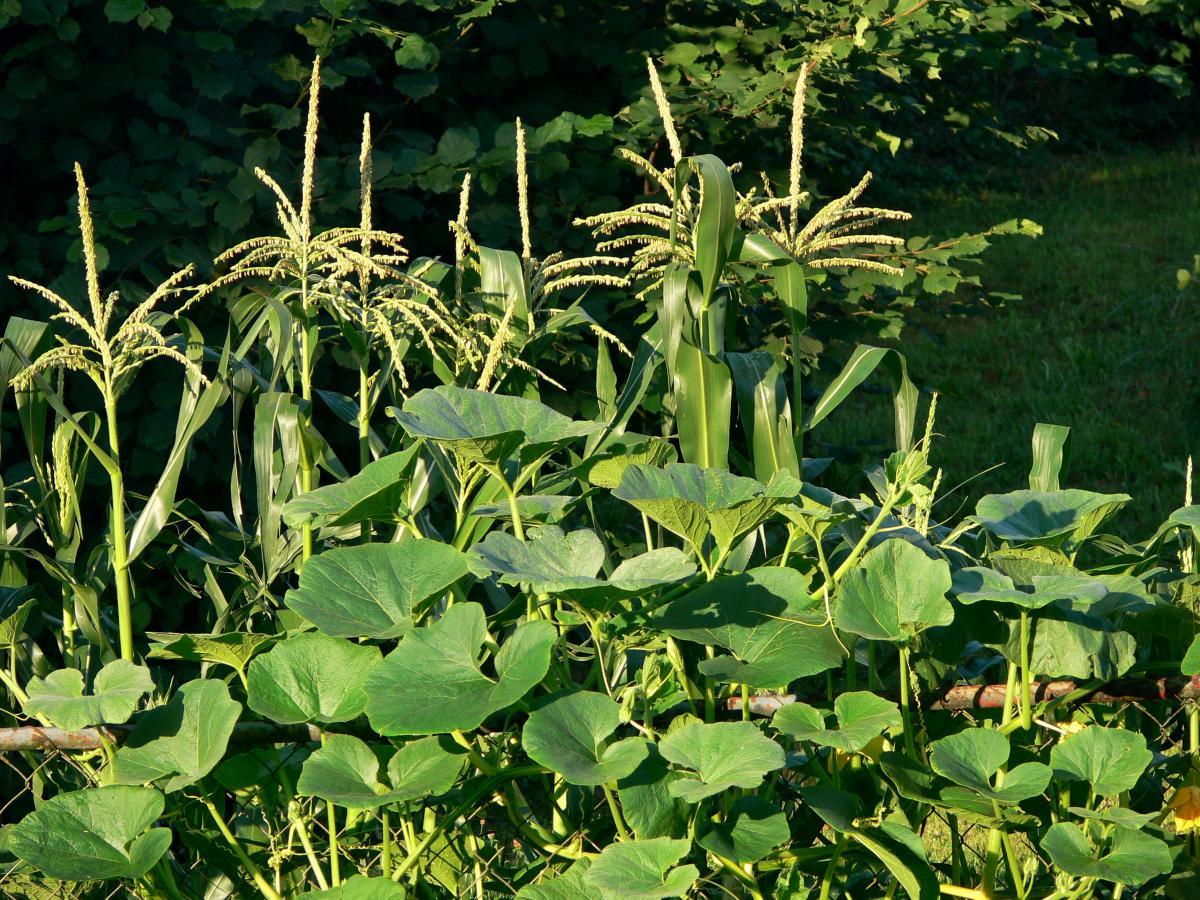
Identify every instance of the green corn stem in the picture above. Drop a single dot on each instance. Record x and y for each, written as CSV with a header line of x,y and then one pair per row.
x,y
296,817
610,794
265,887
1026,675
120,542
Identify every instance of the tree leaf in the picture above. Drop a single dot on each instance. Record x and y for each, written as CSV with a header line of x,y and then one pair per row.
x,y
642,870
374,590
718,757
182,741
59,700
861,716
893,593
569,735
1132,858
766,617
311,678
1111,760
93,834
432,682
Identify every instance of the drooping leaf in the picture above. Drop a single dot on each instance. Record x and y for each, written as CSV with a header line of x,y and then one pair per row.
x,y
650,808
13,623
971,759
749,831
693,502
432,682
178,744
569,735
642,870
482,427
1070,644
374,590
311,678
1050,516
765,617
977,584
233,648
345,771
895,591
718,757
59,699
1132,858
1111,760
376,493
861,716
93,834
1051,454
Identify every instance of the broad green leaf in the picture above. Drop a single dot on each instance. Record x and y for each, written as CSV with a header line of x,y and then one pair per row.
x,y
432,682
543,509
552,562
1132,857
311,678
896,846
893,593
571,885
569,735
180,743
1111,760
861,717
976,584
1191,659
718,757
1120,816
377,493
650,808
374,590
606,467
59,700
971,759
234,648
361,887
765,617
1069,644
1050,516
642,870
345,771
749,831
486,428
693,502
93,834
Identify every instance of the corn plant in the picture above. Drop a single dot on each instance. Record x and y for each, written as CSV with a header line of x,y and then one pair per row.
x,y
512,652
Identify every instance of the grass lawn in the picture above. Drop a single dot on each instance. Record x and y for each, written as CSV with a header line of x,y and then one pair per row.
x,y
1102,340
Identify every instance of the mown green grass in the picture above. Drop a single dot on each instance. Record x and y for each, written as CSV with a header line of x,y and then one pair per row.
x,y
1102,340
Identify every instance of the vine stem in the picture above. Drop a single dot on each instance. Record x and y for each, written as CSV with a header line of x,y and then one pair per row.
x,y
618,820
306,842
264,886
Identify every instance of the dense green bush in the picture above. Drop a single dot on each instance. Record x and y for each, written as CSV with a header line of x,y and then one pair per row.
x,y
441,639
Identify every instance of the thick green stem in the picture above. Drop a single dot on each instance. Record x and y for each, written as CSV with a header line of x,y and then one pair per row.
x,y
618,820
1026,675
905,715
863,542
335,868
385,826
120,542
